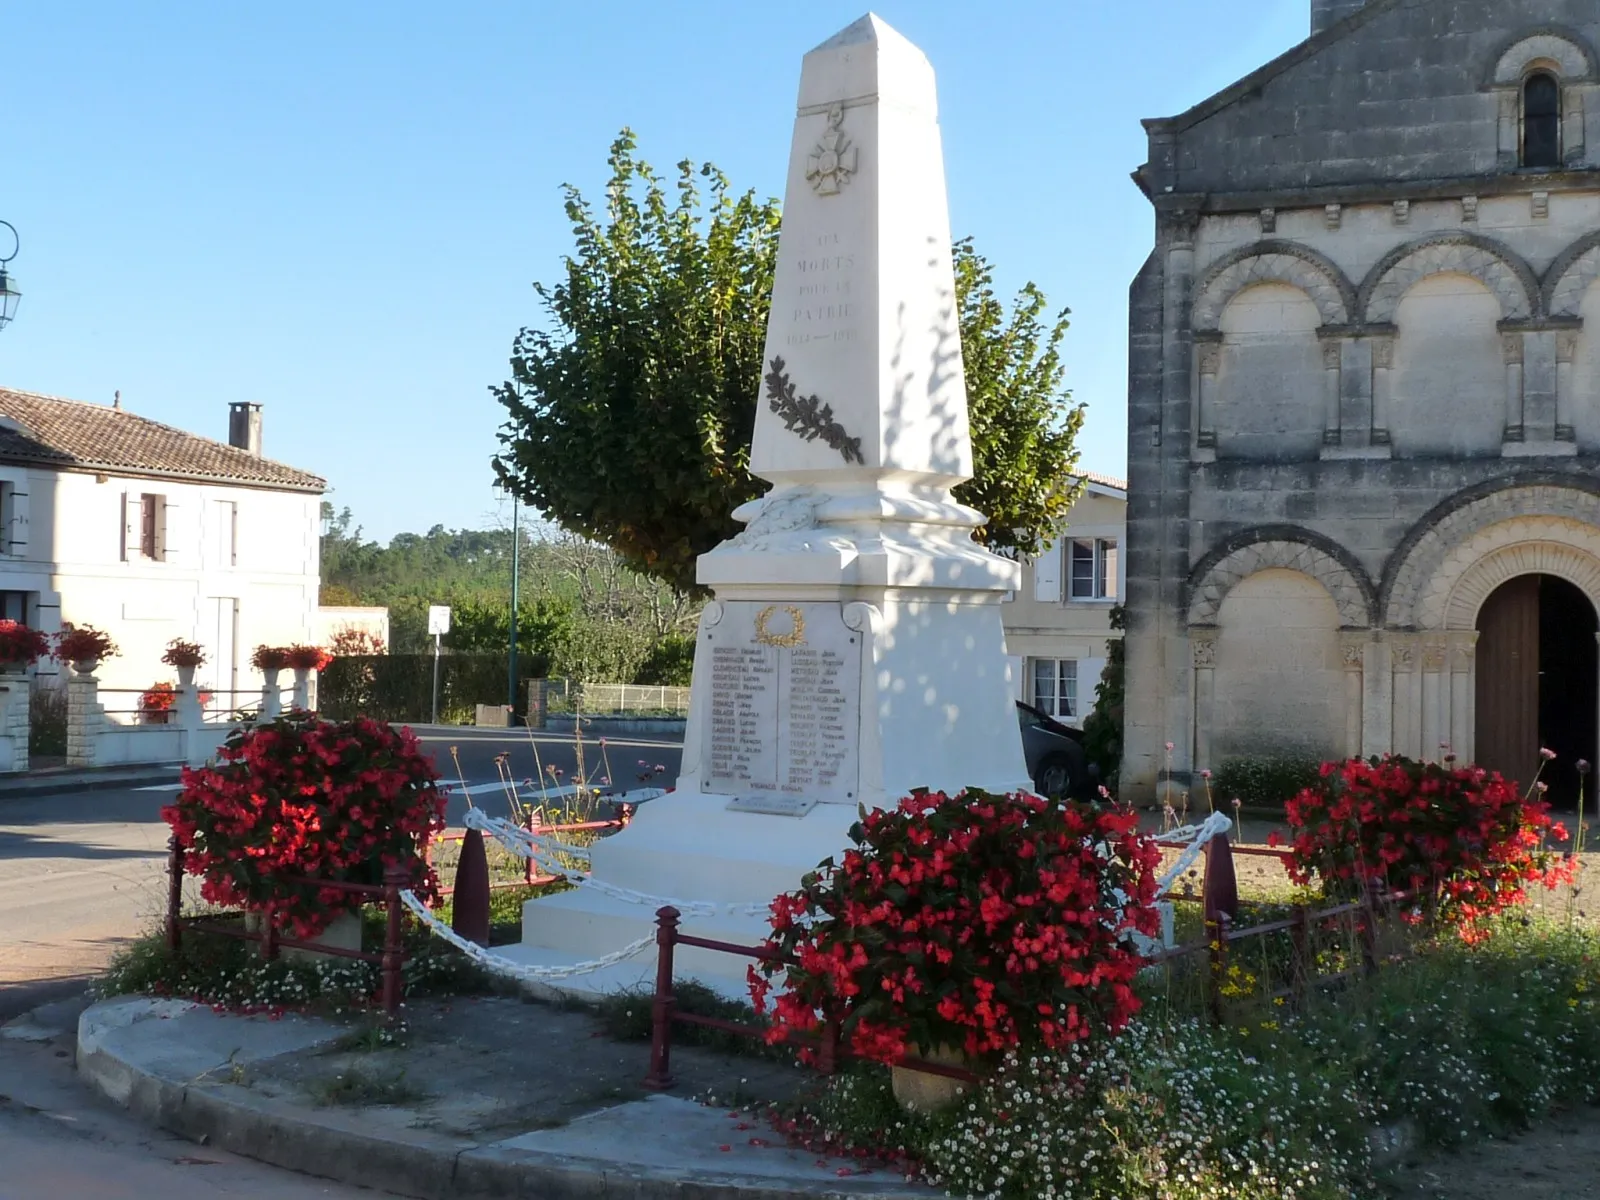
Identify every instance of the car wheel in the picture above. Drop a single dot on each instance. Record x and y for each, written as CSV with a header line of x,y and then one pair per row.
x,y
1054,777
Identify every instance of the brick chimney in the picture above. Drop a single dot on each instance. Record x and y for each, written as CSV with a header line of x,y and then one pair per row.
x,y
244,426
1330,12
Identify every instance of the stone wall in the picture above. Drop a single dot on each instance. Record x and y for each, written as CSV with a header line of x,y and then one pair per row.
x,y
1359,348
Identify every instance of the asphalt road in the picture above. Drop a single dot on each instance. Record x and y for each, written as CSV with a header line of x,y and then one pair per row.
x,y
82,874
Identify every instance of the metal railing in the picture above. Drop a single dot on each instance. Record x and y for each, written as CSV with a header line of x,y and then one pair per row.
x,y
565,697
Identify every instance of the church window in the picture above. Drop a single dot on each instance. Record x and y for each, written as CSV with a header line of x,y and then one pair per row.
x,y
1541,121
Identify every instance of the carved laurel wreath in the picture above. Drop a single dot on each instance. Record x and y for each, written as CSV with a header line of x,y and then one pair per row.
x,y
795,637
808,415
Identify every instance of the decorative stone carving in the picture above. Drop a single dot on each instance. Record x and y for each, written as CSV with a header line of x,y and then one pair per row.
x,y
1209,357
1403,658
1269,220
1496,267
1332,354
1566,345
835,158
1355,654
1274,262
1461,654
1541,206
1333,215
1402,212
1349,590
1204,648
1434,655
1511,347
1469,210
1571,276
1383,353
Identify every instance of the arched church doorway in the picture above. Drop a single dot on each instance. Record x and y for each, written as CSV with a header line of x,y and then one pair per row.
x,y
1537,664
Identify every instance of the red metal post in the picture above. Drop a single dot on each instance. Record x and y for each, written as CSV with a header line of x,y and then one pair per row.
x,y
1217,952
174,892
269,935
1300,957
1369,927
828,1053
393,951
664,1002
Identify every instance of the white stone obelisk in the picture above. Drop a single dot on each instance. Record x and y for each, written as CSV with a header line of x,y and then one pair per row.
x,y
854,650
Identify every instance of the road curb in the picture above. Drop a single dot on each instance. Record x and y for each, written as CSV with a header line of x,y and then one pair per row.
x,y
25,786
326,1144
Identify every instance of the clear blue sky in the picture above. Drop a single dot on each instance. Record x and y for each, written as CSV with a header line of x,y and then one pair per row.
x,y
337,209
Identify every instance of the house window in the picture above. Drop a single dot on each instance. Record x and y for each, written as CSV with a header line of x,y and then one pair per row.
x,y
1055,687
15,606
1541,121
8,517
1094,569
149,520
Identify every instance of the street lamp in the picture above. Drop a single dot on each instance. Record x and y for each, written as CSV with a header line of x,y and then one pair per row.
x,y
8,286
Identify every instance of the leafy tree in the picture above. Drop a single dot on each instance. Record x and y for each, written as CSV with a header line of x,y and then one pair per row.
x,y
630,414
1102,728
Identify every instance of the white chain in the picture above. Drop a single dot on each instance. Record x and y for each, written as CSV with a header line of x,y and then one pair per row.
x,y
504,966
524,844
1214,825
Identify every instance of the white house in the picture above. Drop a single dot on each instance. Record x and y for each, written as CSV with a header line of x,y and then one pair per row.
x,y
150,533
1058,624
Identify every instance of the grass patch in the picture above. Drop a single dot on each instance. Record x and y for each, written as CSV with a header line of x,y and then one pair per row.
x,y
1454,1043
365,1089
627,1017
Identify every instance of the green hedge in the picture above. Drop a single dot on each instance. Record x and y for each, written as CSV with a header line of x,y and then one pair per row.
x,y
1263,782
399,687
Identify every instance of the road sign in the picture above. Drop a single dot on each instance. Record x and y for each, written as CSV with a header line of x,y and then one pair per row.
x,y
438,619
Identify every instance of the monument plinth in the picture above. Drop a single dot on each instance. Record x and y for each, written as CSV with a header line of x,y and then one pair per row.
x,y
854,650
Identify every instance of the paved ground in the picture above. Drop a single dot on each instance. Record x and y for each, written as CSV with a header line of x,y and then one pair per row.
x,y
80,874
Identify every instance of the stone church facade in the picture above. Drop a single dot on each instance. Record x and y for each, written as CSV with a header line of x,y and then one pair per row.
x,y
1364,399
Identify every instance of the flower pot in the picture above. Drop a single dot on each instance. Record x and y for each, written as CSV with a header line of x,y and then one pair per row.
x,y
921,1092
186,677
84,666
342,933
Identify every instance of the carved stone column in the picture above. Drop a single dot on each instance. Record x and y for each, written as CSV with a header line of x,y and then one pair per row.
x,y
1382,383
1353,649
1463,695
1203,646
1332,366
1435,698
1208,364
1377,711
1566,353
1407,704
1511,350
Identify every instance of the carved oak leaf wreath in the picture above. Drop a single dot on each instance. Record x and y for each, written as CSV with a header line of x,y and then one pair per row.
x,y
808,415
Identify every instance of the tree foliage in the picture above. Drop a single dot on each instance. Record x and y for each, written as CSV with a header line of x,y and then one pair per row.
x,y
630,413
1102,728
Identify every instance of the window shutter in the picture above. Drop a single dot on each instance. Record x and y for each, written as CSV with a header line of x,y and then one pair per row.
x,y
17,533
1047,576
1110,590
130,526
166,549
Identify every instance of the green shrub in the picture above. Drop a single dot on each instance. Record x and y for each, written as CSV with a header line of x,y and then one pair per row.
x,y
1102,728
47,722
1263,782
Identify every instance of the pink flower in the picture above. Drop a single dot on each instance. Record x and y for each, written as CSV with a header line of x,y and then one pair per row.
x,y
1546,754
1206,774
1169,747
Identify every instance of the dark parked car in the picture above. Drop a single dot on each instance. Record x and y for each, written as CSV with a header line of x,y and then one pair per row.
x,y
1056,760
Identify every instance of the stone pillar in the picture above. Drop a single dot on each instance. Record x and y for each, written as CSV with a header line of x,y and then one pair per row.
x,y
271,695
83,717
15,721
1435,698
1463,696
1511,350
1332,369
1406,703
1203,646
302,689
1377,710
1208,363
1353,648
1566,353
1382,383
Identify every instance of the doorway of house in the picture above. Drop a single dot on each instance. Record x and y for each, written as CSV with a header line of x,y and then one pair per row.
x,y
1537,682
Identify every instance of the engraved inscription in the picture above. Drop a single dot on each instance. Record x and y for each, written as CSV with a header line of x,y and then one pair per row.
x,y
824,306
784,719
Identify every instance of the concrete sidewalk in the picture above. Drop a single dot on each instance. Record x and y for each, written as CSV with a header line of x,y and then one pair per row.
x,y
497,1097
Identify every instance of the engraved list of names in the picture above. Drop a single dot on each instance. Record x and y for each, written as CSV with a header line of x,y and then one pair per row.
x,y
785,708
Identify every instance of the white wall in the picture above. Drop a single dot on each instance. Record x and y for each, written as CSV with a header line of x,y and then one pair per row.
x,y
240,568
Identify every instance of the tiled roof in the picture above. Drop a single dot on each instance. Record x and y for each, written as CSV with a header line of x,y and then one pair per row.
x,y
1110,481
69,433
